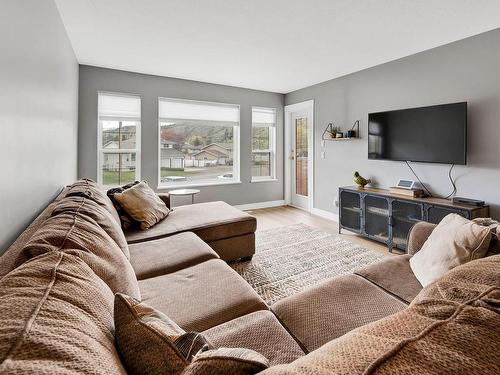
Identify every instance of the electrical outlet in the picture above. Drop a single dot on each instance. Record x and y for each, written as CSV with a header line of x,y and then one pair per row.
x,y
322,154
336,201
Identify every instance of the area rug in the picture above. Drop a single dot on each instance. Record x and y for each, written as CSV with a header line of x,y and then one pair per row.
x,y
292,258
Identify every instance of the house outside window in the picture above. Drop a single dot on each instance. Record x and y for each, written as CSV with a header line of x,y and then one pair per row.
x,y
263,143
119,138
198,143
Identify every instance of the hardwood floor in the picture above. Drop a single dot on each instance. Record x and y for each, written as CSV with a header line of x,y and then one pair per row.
x,y
268,218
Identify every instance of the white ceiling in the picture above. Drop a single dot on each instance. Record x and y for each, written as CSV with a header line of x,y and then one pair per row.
x,y
274,45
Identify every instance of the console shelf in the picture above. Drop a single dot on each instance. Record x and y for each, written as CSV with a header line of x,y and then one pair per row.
x,y
386,217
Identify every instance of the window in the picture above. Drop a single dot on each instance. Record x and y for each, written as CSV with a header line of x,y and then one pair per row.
x,y
263,143
198,143
119,139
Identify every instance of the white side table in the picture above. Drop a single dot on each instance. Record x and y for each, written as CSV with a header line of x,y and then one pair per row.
x,y
184,192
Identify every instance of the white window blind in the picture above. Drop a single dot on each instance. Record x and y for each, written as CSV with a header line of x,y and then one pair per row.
x,y
263,116
263,143
119,107
198,111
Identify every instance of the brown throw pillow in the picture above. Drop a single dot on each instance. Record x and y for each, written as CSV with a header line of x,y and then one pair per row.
x,y
151,343
142,204
126,221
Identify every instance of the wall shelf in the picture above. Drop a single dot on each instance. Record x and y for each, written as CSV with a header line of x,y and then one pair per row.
x,y
326,136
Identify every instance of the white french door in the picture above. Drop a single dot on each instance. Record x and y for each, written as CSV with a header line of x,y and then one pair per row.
x,y
299,146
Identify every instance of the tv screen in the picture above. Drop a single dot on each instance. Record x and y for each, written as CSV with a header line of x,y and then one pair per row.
x,y
435,134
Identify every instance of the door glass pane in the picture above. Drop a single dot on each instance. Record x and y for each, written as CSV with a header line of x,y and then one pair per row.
x,y
301,156
118,168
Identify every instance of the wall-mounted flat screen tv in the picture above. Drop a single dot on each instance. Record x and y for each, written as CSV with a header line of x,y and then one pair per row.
x,y
435,134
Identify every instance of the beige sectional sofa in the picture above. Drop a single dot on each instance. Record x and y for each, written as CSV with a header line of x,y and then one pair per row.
x,y
58,279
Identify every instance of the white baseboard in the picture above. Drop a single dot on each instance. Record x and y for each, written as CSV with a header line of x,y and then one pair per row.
x,y
325,214
254,206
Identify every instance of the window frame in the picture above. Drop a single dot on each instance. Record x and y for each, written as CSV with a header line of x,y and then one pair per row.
x,y
236,148
272,146
101,150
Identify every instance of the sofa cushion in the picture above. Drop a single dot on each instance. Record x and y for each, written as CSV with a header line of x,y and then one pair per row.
x,y
210,221
9,259
91,190
170,254
451,327
259,331
234,248
78,234
57,317
454,241
96,212
394,275
151,343
202,296
142,204
234,361
333,308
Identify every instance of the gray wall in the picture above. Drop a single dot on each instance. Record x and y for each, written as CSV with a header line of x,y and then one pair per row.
x,y
468,70
38,112
93,80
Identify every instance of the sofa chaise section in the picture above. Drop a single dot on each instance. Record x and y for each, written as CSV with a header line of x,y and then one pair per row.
x,y
229,231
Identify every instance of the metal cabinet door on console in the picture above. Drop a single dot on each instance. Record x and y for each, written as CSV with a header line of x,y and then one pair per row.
x,y
434,214
404,215
376,218
350,211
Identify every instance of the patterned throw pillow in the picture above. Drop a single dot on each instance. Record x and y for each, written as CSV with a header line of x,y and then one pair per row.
x,y
142,204
151,343
125,219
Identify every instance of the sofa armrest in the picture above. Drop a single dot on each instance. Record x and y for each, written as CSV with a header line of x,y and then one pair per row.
x,y
165,197
418,235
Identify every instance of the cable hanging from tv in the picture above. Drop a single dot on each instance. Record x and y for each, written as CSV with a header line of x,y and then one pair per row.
x,y
453,184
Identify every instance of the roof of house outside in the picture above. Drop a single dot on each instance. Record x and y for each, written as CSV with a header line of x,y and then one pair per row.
x,y
171,153
227,146
210,152
129,143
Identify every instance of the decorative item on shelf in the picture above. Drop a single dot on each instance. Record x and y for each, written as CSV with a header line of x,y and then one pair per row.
x,y
412,193
360,180
330,132
334,133
354,133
